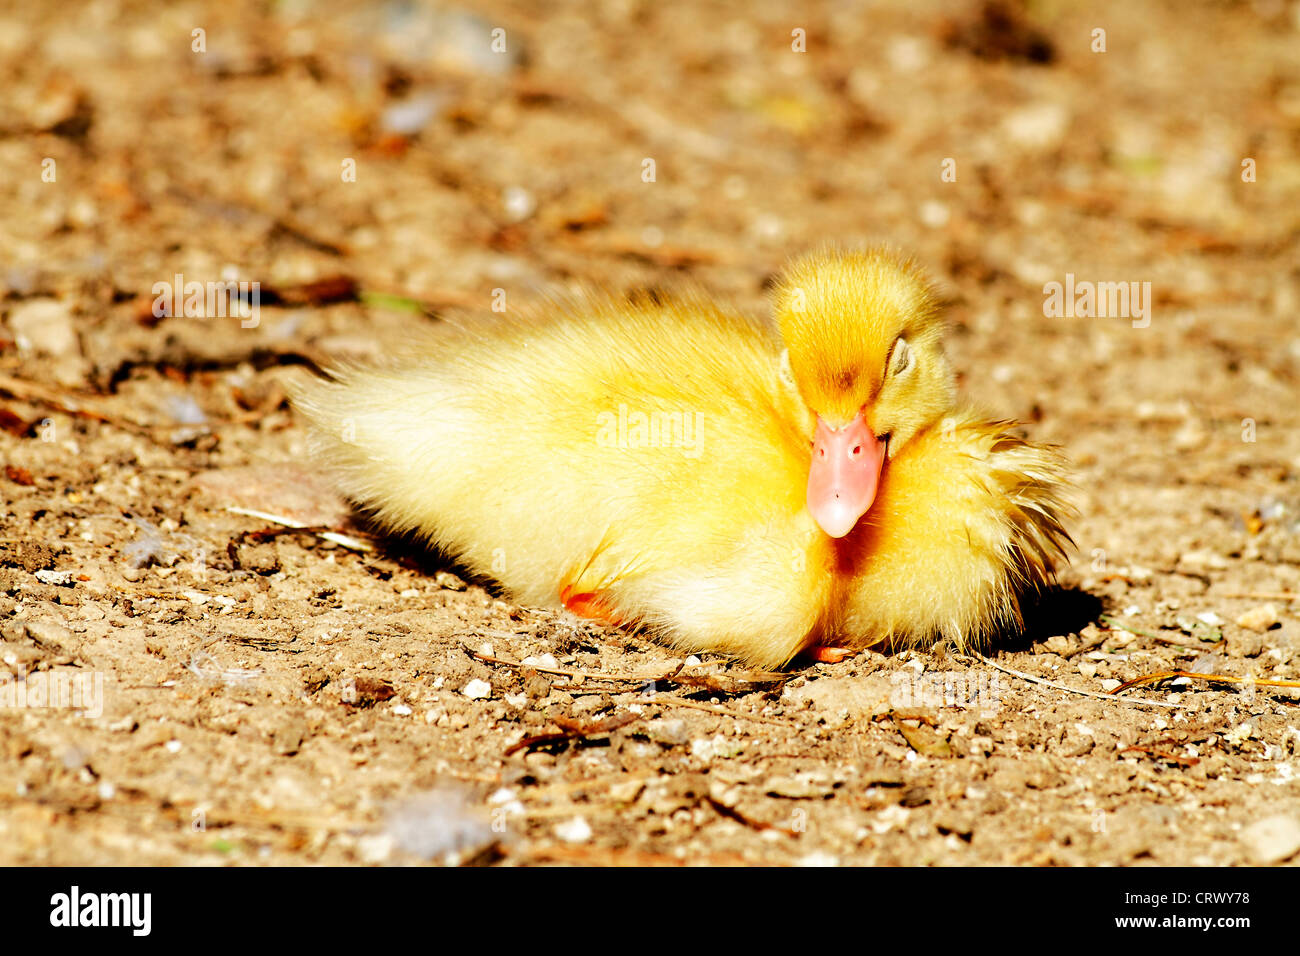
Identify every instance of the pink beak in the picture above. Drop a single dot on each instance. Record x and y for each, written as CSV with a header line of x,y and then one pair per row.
x,y
844,474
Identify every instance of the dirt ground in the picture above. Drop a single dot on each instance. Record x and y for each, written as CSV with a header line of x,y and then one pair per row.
x,y
263,695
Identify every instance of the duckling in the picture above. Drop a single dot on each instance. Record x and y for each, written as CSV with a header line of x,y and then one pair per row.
x,y
728,485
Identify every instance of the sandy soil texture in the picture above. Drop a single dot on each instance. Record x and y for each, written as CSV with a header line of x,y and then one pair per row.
x,y
250,693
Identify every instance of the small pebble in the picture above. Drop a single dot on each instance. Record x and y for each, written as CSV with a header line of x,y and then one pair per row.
x,y
818,858
375,848
1259,618
477,690
576,830
627,791
670,732
1272,839
518,203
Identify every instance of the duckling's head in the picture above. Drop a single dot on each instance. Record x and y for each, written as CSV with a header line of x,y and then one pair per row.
x,y
864,348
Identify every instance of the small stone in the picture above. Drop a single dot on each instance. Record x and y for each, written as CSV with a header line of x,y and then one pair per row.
x,y
934,214
1259,618
800,786
57,578
590,704
477,690
408,117
49,635
576,830
1077,745
518,203
375,848
1210,618
818,858
1204,559
671,732
702,749
1109,684
535,685
44,326
1272,839
1058,644
1244,644
288,737
263,559
912,797
1039,126
74,758
1238,735
626,791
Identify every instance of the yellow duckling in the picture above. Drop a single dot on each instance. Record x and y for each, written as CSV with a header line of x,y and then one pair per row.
x,y
684,469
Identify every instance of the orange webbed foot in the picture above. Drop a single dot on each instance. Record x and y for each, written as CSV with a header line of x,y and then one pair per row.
x,y
830,655
592,605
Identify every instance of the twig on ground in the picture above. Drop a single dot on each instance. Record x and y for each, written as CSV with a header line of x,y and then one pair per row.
x,y
568,671
1112,623
717,710
663,699
1263,595
1071,690
1169,755
1193,675
731,813
573,730
346,540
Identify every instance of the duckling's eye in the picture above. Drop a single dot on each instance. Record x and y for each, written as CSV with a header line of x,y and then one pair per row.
x,y
900,359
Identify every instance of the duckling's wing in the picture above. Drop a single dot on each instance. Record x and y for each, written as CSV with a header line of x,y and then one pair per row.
x,y
585,449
